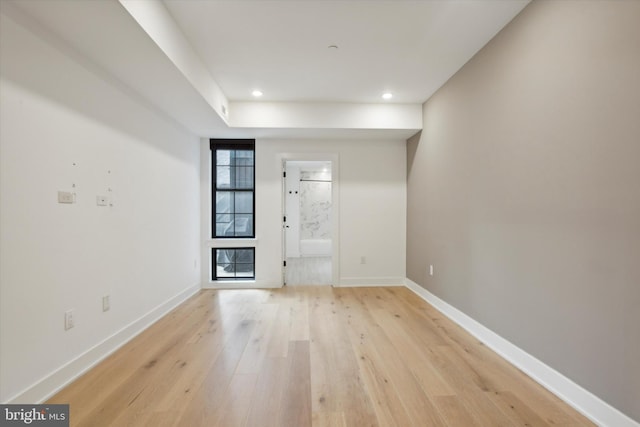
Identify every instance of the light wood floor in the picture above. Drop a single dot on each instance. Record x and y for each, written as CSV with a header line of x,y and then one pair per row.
x,y
304,356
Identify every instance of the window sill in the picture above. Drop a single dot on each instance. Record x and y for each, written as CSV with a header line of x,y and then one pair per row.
x,y
230,284
237,242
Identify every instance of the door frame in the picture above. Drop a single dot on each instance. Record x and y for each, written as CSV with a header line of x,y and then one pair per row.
x,y
334,159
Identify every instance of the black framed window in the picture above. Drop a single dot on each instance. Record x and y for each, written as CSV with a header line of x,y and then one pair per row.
x,y
233,189
233,263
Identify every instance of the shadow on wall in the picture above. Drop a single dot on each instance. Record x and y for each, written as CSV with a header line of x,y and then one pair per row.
x,y
95,94
412,148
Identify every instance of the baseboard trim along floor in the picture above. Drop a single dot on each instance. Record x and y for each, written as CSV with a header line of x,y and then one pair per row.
x,y
585,402
66,374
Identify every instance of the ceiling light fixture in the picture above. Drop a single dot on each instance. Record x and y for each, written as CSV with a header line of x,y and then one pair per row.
x,y
387,95
257,93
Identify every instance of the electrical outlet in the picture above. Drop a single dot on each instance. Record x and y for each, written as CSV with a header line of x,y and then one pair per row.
x,y
363,260
106,303
69,321
102,200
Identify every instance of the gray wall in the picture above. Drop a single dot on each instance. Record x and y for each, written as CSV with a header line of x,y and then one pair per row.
x,y
524,192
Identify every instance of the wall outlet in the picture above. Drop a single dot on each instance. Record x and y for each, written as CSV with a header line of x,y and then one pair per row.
x,y
430,270
363,260
102,200
106,303
69,321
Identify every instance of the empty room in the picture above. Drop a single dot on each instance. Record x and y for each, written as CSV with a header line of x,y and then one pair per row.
x,y
318,213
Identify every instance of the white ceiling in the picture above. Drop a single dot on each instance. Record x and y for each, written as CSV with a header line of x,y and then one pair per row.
x,y
409,48
168,53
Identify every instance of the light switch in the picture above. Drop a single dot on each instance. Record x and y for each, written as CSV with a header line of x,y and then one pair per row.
x,y
66,197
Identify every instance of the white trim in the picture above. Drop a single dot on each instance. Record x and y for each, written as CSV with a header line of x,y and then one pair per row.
x,y
205,211
61,377
241,284
580,399
231,243
352,282
334,158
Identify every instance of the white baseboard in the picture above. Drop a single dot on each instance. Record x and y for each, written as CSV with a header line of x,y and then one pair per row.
x,y
351,282
582,400
58,379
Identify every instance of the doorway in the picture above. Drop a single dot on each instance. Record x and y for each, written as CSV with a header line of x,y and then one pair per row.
x,y
308,222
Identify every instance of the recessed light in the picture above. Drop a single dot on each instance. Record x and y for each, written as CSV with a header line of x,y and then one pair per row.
x,y
257,93
387,95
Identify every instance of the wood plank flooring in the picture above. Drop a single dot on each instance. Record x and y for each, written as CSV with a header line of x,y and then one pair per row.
x,y
309,356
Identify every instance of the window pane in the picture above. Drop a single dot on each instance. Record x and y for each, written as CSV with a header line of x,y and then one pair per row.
x,y
233,211
244,202
223,177
244,256
225,229
223,157
244,271
244,225
225,270
224,218
243,177
224,256
234,263
243,158
224,202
